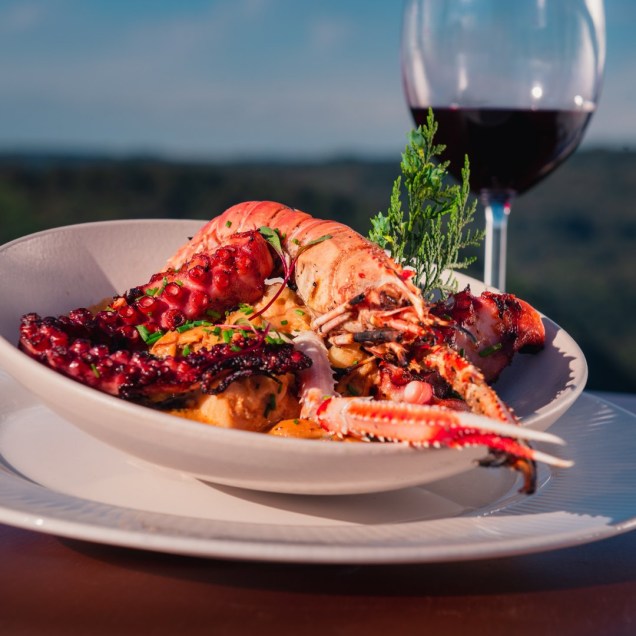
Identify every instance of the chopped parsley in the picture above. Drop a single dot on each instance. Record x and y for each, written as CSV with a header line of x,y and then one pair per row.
x,y
488,351
155,291
191,324
273,237
149,337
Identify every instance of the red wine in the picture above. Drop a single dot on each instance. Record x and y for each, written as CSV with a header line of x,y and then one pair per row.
x,y
509,149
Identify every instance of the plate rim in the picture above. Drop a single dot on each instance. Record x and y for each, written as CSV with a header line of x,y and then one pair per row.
x,y
143,530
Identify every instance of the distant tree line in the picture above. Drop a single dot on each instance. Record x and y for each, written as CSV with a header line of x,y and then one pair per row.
x,y
572,242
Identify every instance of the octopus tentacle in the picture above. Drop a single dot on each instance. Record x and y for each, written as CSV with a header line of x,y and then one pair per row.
x,y
205,286
137,375
489,329
107,350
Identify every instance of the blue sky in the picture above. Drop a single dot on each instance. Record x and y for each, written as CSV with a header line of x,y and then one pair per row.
x,y
234,78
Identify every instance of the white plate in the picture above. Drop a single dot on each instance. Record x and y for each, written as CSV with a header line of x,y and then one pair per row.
x,y
54,271
56,479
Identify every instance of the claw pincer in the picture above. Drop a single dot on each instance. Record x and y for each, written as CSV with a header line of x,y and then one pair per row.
x,y
435,427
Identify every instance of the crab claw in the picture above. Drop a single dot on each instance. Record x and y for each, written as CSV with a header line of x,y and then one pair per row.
x,y
430,426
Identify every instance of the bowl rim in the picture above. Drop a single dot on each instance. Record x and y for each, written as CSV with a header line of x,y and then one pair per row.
x,y
11,355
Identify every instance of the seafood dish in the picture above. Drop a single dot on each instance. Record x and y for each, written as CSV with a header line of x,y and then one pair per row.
x,y
276,322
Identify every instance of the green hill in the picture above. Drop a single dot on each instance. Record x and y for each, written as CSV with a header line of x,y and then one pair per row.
x,y
572,242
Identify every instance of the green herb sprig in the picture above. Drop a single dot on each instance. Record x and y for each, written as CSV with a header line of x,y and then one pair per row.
x,y
435,229
149,337
273,237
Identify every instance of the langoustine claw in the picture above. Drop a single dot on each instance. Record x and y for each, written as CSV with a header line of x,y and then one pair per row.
x,y
435,427
418,425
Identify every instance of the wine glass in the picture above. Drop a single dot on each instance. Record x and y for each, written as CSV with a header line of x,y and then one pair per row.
x,y
512,84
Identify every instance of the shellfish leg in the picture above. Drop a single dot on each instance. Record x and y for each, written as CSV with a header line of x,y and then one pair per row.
x,y
468,381
430,426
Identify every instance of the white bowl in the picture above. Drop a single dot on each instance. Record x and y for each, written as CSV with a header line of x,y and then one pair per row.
x,y
58,270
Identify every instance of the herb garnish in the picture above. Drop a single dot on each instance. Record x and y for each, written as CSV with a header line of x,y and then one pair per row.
x,y
435,229
149,337
274,340
191,324
488,351
154,291
273,237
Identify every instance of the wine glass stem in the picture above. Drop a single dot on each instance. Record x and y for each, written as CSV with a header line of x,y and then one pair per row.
x,y
497,213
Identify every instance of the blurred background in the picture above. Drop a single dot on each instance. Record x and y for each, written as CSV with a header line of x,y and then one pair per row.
x,y
129,108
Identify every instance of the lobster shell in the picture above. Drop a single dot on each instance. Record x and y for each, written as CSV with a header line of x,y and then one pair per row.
x,y
327,275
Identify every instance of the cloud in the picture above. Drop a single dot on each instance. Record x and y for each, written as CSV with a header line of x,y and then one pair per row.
x,y
328,33
20,17
238,77
222,78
